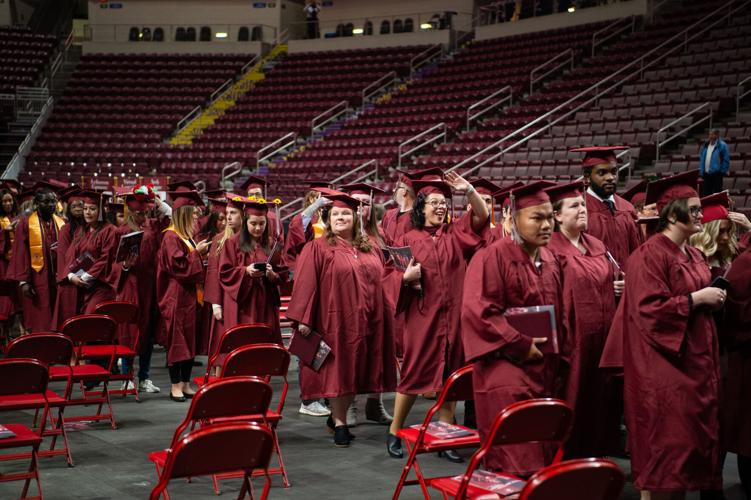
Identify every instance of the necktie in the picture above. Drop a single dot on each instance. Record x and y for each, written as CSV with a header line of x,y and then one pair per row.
x,y
611,206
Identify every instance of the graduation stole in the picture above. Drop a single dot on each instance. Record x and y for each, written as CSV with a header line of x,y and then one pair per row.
x,y
191,248
4,223
36,243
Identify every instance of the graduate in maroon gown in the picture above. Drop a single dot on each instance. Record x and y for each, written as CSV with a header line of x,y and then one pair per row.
x,y
670,351
718,238
97,279
486,190
518,271
66,304
612,219
251,295
430,294
503,228
298,233
397,221
179,280
736,333
591,283
8,221
33,260
256,186
339,293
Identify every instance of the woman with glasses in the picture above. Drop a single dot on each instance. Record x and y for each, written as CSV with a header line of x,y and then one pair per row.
x,y
671,361
430,294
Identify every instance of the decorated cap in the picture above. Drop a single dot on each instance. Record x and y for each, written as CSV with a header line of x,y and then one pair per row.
x,y
181,186
637,193
255,206
563,191
530,195
484,186
136,202
253,182
11,185
427,187
715,207
218,205
185,198
235,201
343,200
123,190
361,188
598,155
502,196
663,191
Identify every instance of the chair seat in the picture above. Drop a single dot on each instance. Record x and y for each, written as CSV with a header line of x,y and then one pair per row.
x,y
80,372
482,483
24,437
27,401
104,351
434,443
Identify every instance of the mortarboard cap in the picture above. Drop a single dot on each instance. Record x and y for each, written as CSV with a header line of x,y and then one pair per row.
x,y
484,186
715,207
116,207
563,191
427,187
530,195
185,198
502,196
255,206
253,182
136,202
181,186
218,205
663,191
598,155
637,193
343,200
11,185
361,188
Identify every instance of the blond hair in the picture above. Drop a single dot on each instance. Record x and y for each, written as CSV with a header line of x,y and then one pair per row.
x,y
182,221
359,240
706,242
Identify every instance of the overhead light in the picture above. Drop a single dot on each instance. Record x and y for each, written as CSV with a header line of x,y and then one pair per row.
x,y
426,26
571,9
221,34
358,31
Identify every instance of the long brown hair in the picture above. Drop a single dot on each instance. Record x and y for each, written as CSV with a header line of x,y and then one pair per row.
x,y
182,221
360,241
247,243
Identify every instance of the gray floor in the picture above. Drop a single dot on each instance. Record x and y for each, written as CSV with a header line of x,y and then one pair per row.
x,y
114,464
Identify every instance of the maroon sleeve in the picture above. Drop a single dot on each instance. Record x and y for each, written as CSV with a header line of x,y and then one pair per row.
x,y
737,324
212,288
181,264
305,294
235,281
20,262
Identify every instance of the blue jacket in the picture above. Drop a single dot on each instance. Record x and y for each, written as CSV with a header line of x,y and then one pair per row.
x,y
720,161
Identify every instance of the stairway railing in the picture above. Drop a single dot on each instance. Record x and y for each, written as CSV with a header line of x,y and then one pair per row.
x,y
18,162
707,117
473,113
424,57
231,170
274,148
440,131
565,58
612,30
377,86
740,93
333,113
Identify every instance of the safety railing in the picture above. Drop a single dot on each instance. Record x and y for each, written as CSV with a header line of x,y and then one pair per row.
x,y
30,101
435,133
188,118
706,116
272,149
282,36
565,58
328,116
464,37
612,30
221,90
231,170
633,70
424,57
249,65
18,161
378,86
740,93
489,103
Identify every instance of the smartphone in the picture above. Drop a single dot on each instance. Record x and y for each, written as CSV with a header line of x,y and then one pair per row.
x,y
720,282
259,266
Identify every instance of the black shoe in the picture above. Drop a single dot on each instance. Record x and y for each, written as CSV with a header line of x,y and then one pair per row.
x,y
177,399
451,456
188,396
341,436
197,363
394,446
332,428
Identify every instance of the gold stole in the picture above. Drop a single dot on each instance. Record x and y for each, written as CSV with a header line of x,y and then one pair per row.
x,y
191,249
36,245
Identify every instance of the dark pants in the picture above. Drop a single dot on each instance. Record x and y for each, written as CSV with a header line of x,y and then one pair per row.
x,y
712,184
312,28
180,371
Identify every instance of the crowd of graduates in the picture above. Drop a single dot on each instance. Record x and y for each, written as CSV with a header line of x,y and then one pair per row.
x,y
651,293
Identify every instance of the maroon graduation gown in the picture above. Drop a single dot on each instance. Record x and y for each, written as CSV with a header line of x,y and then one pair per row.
x,y
671,371
247,300
37,311
339,293
620,232
588,310
102,245
213,294
296,239
66,304
395,224
432,344
178,272
736,332
499,277
8,303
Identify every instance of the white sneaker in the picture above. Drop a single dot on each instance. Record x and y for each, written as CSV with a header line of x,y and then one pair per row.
x,y
127,386
147,385
314,409
352,414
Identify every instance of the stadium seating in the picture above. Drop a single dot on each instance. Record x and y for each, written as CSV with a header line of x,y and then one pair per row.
x,y
23,56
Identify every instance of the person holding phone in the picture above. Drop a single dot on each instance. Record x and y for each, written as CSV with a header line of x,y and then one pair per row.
x,y
250,273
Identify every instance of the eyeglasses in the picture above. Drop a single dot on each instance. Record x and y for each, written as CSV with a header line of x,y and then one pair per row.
x,y
695,211
438,204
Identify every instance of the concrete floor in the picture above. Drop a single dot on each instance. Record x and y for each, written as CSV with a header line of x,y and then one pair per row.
x,y
114,464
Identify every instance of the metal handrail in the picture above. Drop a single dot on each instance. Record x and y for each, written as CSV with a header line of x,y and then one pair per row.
x,y
378,85
611,34
663,130
568,54
18,161
330,115
466,36
740,94
427,55
249,65
236,165
474,116
221,90
412,139
188,118
275,147
282,36
200,186
56,65
640,62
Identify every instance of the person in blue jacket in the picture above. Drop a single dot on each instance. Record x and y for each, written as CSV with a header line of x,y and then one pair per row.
x,y
714,163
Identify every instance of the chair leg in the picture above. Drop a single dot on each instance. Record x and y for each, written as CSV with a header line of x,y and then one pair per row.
x,y
106,394
215,484
33,468
165,494
405,472
246,487
277,448
266,485
421,480
58,426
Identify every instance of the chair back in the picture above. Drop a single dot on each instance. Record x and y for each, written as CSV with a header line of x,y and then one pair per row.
x,y
261,360
230,397
242,335
581,479
89,328
23,376
121,311
216,449
458,387
531,421
49,348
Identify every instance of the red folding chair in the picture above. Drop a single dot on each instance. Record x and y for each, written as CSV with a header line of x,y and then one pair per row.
x,y
265,361
221,399
93,337
419,440
220,448
233,338
531,421
24,387
125,315
602,478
